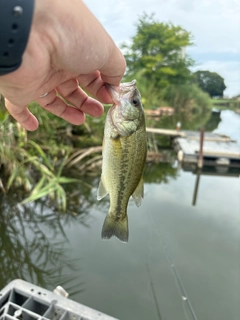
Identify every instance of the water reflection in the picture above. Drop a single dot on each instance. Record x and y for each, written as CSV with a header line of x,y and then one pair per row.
x,y
33,244
213,121
160,173
189,120
215,171
33,240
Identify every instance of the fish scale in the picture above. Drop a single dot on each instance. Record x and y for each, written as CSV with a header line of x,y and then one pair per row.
x,y
124,180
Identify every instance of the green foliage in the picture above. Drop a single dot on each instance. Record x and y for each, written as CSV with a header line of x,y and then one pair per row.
x,y
151,96
222,104
36,162
3,112
160,173
186,96
191,104
158,52
210,82
26,165
192,108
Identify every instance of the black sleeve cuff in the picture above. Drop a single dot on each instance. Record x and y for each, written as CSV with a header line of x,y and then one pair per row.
x,y
15,24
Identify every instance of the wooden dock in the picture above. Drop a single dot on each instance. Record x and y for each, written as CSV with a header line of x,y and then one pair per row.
x,y
218,149
166,132
193,135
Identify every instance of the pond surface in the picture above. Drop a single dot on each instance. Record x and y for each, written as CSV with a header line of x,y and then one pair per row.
x,y
182,261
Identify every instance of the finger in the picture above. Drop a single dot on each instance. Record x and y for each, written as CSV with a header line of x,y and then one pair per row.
x,y
22,115
71,91
57,106
94,84
114,69
76,116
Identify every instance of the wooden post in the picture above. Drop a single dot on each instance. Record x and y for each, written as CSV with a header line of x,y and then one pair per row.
x,y
195,193
200,155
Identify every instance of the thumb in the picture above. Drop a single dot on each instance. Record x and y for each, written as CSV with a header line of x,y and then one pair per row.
x,y
114,69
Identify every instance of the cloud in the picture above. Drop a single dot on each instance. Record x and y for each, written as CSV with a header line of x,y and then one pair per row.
x,y
214,24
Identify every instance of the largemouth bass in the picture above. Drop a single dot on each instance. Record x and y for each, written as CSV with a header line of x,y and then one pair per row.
x,y
124,155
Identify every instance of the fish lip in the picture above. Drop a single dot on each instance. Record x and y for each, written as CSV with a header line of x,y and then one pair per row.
x,y
114,92
125,88
111,117
118,130
127,85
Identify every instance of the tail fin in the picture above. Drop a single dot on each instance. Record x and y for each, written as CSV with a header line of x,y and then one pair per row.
x,y
113,226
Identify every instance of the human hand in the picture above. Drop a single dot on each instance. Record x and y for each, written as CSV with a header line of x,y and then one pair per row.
x,y
67,47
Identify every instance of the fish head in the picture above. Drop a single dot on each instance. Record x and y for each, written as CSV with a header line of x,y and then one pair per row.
x,y
130,98
127,113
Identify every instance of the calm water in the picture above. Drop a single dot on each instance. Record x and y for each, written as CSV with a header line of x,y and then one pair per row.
x,y
181,262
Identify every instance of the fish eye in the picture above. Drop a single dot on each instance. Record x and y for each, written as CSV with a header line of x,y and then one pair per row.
x,y
135,102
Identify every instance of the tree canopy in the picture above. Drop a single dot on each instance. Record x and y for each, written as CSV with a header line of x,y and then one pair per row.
x,y
210,82
157,52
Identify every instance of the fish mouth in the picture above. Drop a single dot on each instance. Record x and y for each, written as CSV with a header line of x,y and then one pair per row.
x,y
128,89
125,89
128,86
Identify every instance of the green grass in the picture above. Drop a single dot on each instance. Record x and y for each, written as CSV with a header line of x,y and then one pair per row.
x,y
223,104
38,162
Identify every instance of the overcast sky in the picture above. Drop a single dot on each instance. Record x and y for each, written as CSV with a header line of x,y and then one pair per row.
x,y
214,24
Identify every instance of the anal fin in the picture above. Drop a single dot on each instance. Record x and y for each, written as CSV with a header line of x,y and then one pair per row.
x,y
101,192
138,193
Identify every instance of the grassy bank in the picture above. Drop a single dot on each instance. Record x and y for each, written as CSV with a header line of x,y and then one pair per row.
x,y
222,104
40,163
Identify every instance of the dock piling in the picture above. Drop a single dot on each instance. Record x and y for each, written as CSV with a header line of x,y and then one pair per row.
x,y
200,155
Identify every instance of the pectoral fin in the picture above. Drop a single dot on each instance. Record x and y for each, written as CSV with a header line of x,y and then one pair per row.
x,y
101,192
138,193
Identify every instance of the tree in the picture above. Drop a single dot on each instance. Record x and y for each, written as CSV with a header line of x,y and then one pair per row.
x,y
157,51
210,82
